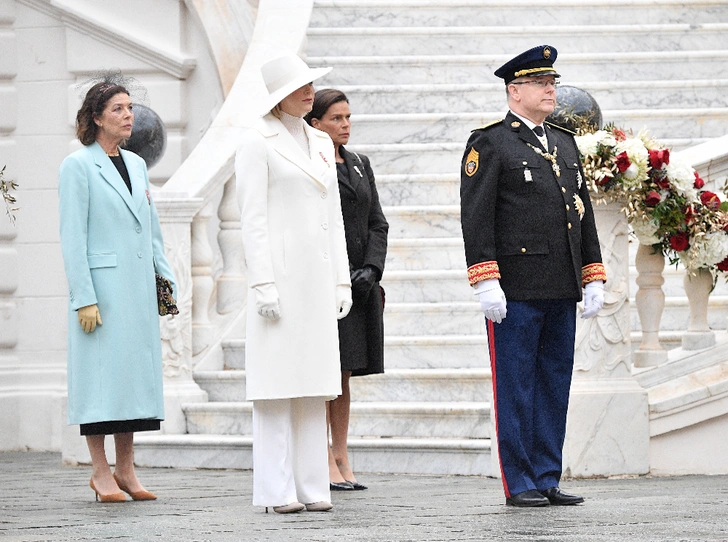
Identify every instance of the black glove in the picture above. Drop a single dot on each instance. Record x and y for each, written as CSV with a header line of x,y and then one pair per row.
x,y
362,280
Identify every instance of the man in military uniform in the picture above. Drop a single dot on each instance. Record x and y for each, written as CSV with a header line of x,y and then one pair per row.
x,y
531,245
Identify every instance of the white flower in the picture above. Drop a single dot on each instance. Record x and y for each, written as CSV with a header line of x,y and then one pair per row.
x,y
638,157
645,230
682,176
588,143
706,251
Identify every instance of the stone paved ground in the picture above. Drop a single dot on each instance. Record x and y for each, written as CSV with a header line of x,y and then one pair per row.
x,y
41,500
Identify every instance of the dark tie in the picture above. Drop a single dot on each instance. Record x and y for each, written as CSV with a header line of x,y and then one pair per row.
x,y
538,130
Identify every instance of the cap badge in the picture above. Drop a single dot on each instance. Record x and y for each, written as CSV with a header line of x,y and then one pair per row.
x,y
471,162
547,52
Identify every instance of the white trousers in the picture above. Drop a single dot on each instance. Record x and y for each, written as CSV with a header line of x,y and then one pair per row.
x,y
290,455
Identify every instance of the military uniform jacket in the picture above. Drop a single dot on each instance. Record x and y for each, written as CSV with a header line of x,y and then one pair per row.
x,y
527,218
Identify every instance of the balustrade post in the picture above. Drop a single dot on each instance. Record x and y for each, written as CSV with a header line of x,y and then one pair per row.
x,y
650,301
176,215
607,431
698,284
203,284
231,289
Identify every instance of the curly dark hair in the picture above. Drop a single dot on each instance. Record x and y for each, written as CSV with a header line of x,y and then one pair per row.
x,y
322,100
93,106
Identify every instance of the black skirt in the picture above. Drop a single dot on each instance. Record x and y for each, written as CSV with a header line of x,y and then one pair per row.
x,y
119,426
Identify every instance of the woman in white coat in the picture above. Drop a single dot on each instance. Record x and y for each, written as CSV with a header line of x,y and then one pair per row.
x,y
112,245
298,286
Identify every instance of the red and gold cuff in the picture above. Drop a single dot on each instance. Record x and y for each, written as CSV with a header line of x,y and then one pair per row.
x,y
592,272
483,271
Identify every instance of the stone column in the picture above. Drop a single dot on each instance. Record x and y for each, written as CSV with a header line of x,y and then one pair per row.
x,y
176,217
650,300
608,423
698,284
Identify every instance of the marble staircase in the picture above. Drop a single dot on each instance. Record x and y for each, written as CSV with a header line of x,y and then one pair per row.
x,y
418,74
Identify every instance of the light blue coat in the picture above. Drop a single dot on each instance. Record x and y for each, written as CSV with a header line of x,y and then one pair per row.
x,y
112,245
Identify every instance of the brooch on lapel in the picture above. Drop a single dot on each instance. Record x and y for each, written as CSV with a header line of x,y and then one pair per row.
x,y
356,168
149,197
324,159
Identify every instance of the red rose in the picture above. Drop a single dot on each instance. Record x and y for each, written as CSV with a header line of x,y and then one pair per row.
x,y
652,198
679,241
619,135
723,266
622,162
710,200
659,158
662,181
699,183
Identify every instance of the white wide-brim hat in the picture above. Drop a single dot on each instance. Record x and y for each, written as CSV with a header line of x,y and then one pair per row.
x,y
284,75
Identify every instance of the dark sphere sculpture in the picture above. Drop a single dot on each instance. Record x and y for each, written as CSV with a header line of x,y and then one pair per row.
x,y
148,136
576,108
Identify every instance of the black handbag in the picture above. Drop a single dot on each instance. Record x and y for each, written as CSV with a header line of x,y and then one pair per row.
x,y
165,301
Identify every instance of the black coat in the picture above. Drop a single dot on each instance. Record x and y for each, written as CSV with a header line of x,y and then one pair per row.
x,y
523,221
361,333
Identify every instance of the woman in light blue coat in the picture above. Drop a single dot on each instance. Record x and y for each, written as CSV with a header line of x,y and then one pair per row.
x,y
112,246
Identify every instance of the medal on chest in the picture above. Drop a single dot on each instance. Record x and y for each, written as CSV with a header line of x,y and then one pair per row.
x,y
551,157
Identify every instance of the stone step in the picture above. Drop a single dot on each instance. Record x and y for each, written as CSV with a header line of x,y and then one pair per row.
x,y
455,318
455,13
436,352
442,385
463,97
423,220
466,457
460,419
444,40
676,315
444,157
434,158
419,385
419,189
427,286
424,253
423,127
400,352
458,68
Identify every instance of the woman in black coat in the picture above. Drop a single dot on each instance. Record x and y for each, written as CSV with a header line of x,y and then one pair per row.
x,y
361,333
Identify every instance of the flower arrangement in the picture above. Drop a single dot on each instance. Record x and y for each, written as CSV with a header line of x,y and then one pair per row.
x,y
663,196
6,187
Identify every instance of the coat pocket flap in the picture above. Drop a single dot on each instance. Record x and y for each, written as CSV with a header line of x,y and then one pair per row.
x,y
101,260
524,245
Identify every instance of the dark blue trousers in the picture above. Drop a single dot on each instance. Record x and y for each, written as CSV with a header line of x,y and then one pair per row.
x,y
532,358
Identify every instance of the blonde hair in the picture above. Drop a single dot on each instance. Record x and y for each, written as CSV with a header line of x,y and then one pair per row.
x,y
276,111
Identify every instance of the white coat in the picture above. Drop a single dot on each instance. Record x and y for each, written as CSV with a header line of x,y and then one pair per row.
x,y
112,244
293,237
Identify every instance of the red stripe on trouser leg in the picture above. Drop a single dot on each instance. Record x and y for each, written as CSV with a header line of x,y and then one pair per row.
x,y
491,353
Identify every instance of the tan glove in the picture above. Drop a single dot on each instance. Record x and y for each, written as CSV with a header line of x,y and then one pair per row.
x,y
88,317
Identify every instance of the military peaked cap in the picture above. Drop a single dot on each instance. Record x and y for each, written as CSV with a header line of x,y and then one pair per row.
x,y
534,62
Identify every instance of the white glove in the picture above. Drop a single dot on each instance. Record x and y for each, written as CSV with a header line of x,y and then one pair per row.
x,y
343,300
266,301
593,298
492,300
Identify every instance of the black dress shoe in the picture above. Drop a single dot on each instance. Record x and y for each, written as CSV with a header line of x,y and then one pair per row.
x,y
357,485
341,486
527,499
561,498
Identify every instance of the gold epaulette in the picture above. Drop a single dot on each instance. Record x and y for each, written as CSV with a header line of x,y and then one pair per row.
x,y
485,126
560,128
